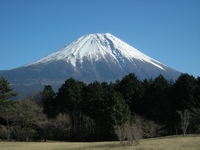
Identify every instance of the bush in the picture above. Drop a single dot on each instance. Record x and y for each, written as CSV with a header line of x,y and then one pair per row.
x,y
149,128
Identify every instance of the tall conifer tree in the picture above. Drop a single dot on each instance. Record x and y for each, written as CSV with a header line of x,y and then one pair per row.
x,y
6,105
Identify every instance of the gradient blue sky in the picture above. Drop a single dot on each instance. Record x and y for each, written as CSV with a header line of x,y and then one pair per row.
x,y
166,30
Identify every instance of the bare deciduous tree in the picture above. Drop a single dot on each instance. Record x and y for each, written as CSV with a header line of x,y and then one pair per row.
x,y
62,124
196,118
133,132
35,96
149,128
5,133
136,130
120,132
45,128
26,118
129,131
185,120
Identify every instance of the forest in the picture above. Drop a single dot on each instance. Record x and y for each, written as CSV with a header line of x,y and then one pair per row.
x,y
125,109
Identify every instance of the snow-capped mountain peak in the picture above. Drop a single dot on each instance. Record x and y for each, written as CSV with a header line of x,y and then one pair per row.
x,y
94,47
93,57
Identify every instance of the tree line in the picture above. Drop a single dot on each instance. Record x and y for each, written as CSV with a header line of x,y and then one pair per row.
x,y
102,111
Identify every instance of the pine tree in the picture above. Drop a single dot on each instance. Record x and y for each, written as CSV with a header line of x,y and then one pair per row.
x,y
184,89
69,100
6,105
48,101
197,93
132,91
69,95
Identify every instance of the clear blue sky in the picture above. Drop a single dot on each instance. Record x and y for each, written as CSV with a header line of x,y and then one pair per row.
x,y
166,30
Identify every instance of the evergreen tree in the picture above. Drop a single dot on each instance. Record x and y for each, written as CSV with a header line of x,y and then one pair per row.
x,y
6,92
106,107
93,98
116,109
184,96
69,100
132,91
159,102
197,93
146,98
69,95
48,101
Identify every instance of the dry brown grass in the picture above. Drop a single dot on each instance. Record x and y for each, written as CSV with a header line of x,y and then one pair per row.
x,y
167,143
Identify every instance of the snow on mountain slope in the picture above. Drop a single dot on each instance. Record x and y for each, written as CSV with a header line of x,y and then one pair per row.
x,y
95,47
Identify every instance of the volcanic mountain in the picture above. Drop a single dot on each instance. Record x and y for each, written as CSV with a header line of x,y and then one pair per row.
x,y
101,57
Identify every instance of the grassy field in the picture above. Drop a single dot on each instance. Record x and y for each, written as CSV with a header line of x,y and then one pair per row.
x,y
167,143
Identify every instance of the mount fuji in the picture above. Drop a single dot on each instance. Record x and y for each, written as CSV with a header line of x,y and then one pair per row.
x,y
101,57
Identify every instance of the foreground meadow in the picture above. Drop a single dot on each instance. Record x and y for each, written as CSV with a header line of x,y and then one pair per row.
x,y
167,143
